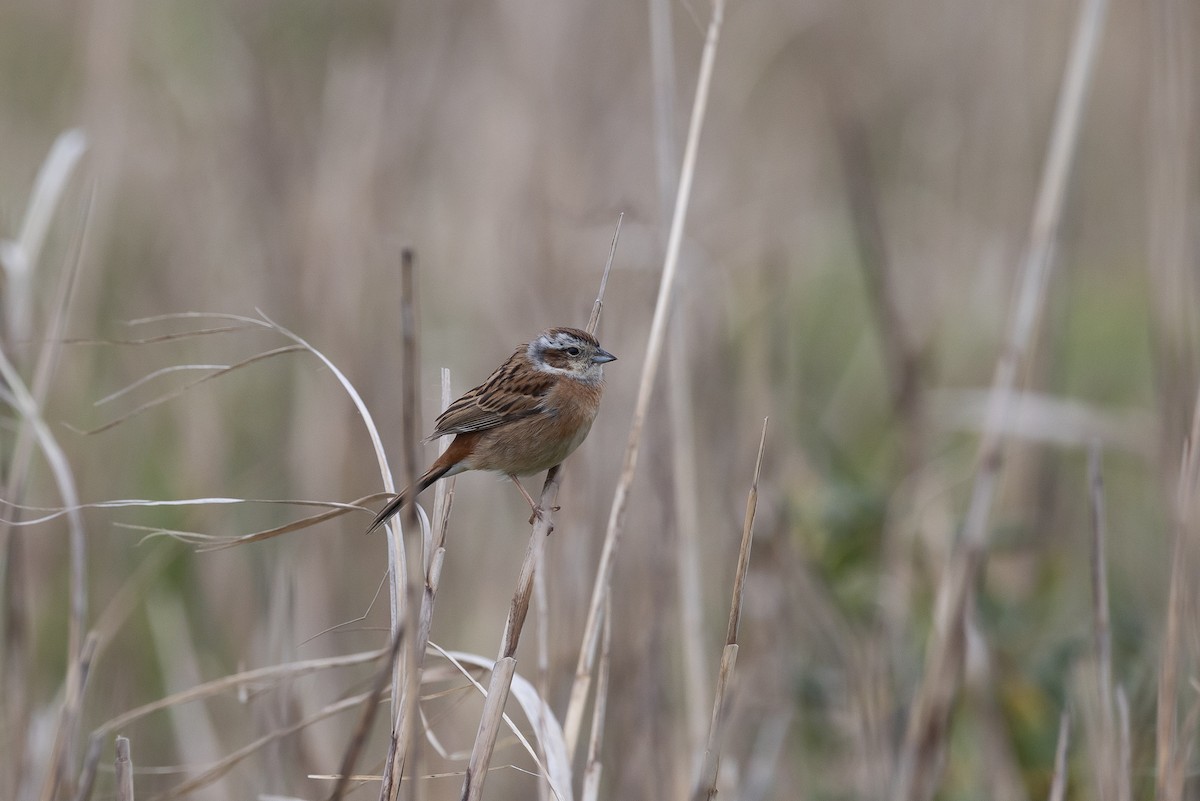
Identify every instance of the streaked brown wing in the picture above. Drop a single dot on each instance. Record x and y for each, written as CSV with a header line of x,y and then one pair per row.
x,y
513,392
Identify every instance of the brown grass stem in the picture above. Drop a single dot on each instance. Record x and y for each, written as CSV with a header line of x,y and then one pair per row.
x,y
1124,749
1170,129
687,508
541,606
58,774
505,667
1102,635
442,501
403,745
598,305
426,586
506,663
1108,765
551,756
124,770
87,774
31,416
231,683
1168,755
593,768
218,769
706,785
919,768
658,326
1058,784
363,729
902,361
235,681
355,398
183,389
19,260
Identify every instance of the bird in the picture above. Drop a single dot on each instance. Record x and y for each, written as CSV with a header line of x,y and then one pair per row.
x,y
529,415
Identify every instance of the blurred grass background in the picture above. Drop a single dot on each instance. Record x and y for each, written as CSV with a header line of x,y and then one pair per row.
x,y
277,155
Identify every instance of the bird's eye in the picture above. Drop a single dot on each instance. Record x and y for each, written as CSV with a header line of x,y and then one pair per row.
x,y
572,351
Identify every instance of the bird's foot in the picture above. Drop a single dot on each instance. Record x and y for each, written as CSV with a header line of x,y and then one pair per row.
x,y
539,512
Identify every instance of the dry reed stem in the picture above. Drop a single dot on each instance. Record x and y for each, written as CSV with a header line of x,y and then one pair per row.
x,y
265,323
593,323
126,599
919,768
213,542
489,727
1058,784
206,543
443,500
56,780
901,359
1108,765
541,609
355,398
551,757
19,258
1170,198
1001,772
193,727
87,774
1124,749
363,729
502,673
686,499
506,663
1175,781
541,605
108,622
57,460
396,557
764,755
594,767
1102,634
184,388
706,784
687,506
124,770
18,261
654,345
406,586
1168,758
154,340
219,768
235,681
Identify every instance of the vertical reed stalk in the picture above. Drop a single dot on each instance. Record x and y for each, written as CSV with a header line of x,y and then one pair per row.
x,y
920,763
616,520
706,784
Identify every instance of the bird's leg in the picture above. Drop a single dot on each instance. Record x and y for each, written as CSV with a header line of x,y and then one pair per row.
x,y
537,510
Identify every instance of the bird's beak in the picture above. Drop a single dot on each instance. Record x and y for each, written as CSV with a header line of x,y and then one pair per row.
x,y
603,356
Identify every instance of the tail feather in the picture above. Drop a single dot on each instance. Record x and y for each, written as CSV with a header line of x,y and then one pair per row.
x,y
396,504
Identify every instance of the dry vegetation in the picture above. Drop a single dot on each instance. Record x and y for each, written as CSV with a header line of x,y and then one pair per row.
x,y
947,248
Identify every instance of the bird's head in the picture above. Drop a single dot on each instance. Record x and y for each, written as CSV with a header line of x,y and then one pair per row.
x,y
570,352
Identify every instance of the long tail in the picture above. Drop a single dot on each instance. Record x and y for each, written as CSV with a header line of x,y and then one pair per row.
x,y
397,503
